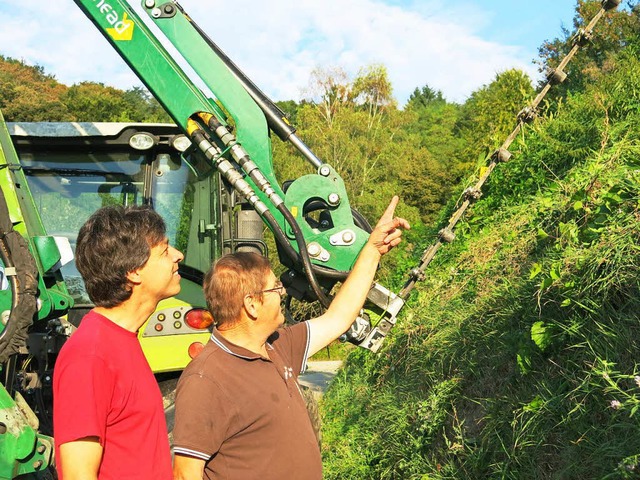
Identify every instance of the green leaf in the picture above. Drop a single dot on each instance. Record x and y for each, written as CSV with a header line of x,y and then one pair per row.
x,y
524,362
542,234
535,270
546,283
541,335
534,405
555,272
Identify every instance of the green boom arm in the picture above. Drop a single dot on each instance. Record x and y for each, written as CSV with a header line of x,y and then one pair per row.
x,y
332,246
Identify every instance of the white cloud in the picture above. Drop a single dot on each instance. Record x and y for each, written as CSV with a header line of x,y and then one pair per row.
x,y
58,36
278,43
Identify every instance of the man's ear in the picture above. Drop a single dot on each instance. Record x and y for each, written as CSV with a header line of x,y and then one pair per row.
x,y
251,306
134,277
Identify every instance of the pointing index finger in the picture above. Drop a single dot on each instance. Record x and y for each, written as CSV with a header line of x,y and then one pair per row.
x,y
390,210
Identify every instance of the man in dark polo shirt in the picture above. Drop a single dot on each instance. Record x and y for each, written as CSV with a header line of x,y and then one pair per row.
x,y
239,411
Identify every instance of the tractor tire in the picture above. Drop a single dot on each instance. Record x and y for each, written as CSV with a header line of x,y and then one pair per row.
x,y
14,253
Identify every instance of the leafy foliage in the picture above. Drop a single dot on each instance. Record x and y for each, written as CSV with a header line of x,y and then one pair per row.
x,y
620,30
28,94
435,130
518,359
488,116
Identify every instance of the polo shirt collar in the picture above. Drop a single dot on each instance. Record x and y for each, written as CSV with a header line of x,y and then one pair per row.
x,y
233,349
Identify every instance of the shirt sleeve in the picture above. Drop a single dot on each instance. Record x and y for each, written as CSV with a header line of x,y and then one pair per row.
x,y
83,388
202,418
292,343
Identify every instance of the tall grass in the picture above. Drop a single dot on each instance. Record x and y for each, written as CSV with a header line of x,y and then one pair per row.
x,y
520,356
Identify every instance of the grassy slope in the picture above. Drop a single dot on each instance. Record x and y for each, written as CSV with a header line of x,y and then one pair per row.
x,y
520,356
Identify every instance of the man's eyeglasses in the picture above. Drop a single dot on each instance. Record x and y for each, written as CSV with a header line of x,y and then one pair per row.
x,y
279,288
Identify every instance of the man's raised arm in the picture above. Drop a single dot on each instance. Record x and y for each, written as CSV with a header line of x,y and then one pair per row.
x,y
347,304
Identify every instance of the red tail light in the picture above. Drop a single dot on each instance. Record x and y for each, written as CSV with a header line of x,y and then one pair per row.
x,y
198,318
195,348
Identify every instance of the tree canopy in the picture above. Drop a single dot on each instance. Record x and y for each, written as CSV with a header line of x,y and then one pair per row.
x,y
517,358
619,31
28,94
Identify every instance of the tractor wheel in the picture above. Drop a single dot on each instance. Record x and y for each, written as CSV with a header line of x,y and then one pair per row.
x,y
23,282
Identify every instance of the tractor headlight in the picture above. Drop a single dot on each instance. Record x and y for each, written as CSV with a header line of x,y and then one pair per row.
x,y
142,141
180,143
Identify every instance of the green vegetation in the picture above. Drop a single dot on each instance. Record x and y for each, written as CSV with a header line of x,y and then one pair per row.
x,y
518,357
28,94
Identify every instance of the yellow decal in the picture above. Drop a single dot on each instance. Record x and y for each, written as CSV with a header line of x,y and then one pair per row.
x,y
122,30
294,211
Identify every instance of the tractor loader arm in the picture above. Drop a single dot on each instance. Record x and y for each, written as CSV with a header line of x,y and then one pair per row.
x,y
229,129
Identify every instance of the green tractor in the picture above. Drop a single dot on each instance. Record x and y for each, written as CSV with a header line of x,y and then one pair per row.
x,y
210,175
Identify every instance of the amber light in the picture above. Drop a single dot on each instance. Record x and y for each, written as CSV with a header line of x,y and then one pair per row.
x,y
195,348
198,318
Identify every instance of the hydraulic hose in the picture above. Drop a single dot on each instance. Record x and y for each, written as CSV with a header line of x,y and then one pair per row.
x,y
235,178
240,155
276,119
243,159
304,255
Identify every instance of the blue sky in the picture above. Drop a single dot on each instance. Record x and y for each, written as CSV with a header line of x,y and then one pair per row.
x,y
525,23
455,46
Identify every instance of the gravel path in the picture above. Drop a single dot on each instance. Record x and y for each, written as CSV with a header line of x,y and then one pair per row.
x,y
319,374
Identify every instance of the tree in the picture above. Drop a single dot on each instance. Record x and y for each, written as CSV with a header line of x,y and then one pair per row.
x,y
94,102
329,90
435,130
28,94
490,113
425,96
619,29
141,106
372,90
